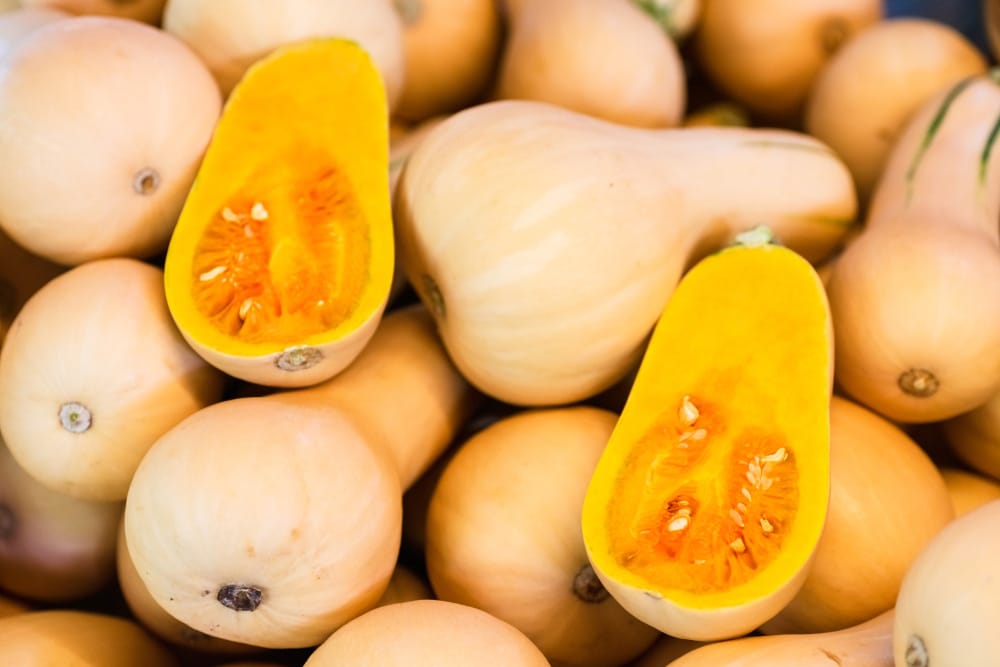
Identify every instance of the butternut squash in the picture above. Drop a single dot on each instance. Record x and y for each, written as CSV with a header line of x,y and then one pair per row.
x,y
949,601
604,58
76,638
867,644
876,471
231,35
707,505
21,21
9,606
54,548
916,296
974,437
546,242
503,535
155,619
310,537
450,51
767,55
427,633
281,263
147,11
92,372
968,490
869,88
56,200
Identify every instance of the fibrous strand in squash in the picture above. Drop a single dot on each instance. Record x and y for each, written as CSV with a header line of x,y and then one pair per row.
x,y
279,263
678,522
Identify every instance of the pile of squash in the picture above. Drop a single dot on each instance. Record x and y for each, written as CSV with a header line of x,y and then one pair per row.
x,y
583,333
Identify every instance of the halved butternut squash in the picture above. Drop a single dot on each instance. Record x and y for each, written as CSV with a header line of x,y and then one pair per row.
x,y
280,265
708,502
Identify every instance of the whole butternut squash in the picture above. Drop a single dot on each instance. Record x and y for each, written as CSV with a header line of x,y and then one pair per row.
x,y
767,54
868,89
867,644
545,242
949,602
450,51
54,548
916,295
974,437
75,638
427,633
310,537
604,58
21,21
79,410
230,35
503,535
875,472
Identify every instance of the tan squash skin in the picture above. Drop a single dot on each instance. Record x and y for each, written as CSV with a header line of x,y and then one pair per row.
x,y
155,619
229,35
79,411
876,471
969,490
562,52
21,21
73,638
916,296
21,275
53,548
451,50
503,535
766,55
147,11
664,650
56,200
949,603
285,528
427,633
405,585
10,606
404,372
974,437
868,644
579,213
868,89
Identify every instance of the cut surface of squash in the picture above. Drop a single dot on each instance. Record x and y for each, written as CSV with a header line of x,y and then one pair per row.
x,y
710,497
285,240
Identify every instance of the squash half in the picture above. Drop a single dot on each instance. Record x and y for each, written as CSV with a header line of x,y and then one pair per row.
x,y
280,265
709,499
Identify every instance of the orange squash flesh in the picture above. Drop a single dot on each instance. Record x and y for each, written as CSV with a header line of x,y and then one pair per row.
x,y
285,240
711,495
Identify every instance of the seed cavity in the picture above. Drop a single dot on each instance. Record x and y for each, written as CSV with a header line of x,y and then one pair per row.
x,y
240,597
678,523
766,525
737,545
588,587
74,417
146,181
298,358
229,216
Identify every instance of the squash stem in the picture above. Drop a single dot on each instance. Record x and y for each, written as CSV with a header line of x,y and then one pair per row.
x,y
74,417
587,587
918,382
916,653
408,10
240,597
146,181
755,237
